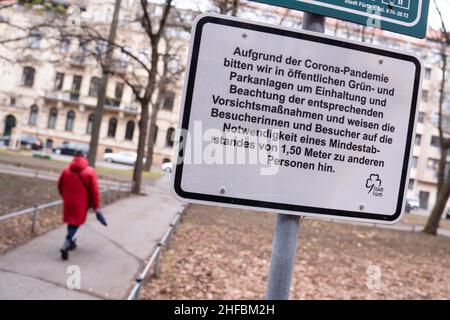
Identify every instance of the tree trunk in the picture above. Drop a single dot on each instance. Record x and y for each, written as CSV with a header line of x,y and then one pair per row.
x,y
101,98
439,207
143,123
443,183
151,137
235,8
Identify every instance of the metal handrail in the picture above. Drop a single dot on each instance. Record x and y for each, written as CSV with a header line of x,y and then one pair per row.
x,y
34,210
155,258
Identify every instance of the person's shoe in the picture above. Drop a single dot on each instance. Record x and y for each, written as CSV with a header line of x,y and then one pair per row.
x,y
64,254
73,245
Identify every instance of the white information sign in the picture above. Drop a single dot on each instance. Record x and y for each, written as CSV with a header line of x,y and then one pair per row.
x,y
295,122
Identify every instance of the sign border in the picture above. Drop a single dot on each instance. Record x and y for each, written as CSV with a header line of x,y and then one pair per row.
x,y
316,212
339,12
415,22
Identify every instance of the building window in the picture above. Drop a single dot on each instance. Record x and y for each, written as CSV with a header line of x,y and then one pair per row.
x,y
28,76
421,117
34,41
167,101
137,93
144,56
124,58
32,120
70,120
49,144
94,86
418,139
90,123
76,86
12,101
432,164
64,46
101,47
129,130
170,137
424,197
118,93
10,124
59,81
427,74
53,115
435,141
411,184
425,94
112,126
414,162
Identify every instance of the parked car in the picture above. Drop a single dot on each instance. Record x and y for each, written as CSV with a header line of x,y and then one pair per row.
x,y
412,204
167,167
70,148
125,157
27,142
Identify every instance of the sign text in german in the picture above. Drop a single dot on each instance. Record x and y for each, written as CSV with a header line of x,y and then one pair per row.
x,y
293,122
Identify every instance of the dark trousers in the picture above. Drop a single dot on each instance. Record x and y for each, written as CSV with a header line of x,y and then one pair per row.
x,y
71,231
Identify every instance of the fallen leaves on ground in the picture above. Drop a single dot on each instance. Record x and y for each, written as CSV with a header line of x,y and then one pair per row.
x,y
225,254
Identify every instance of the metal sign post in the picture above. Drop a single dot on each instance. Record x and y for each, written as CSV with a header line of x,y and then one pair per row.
x,y
288,226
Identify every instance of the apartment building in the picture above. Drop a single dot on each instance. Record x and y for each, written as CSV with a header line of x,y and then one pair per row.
x,y
49,89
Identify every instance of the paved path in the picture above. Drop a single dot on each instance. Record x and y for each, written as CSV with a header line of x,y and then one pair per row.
x,y
109,258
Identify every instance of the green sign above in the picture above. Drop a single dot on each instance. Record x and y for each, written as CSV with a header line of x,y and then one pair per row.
x,y
408,17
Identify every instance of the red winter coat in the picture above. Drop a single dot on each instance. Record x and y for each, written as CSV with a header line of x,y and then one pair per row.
x,y
75,194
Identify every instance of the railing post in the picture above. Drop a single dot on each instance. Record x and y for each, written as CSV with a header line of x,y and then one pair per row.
x,y
169,239
138,291
158,264
33,219
107,194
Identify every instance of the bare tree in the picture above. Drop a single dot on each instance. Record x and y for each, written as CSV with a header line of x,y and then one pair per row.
x,y
443,173
90,34
172,69
227,6
101,97
154,36
144,87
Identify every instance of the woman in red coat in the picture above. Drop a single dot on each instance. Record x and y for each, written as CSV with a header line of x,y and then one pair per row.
x,y
78,187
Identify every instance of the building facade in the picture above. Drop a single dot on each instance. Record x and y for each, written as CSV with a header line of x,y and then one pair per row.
x,y
50,91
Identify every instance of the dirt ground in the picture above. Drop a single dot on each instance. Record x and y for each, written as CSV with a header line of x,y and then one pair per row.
x,y
224,254
18,192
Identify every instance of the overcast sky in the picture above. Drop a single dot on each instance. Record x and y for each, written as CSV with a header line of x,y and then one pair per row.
x,y
433,19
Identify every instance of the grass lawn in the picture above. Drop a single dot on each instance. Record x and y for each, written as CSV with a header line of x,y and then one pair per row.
x,y
25,159
224,254
411,218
